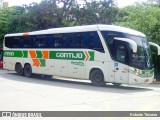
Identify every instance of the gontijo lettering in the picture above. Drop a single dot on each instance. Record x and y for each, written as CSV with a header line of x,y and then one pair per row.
x,y
72,55
69,55
9,54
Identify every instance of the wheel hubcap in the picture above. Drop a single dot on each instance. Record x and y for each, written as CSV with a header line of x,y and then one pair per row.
x,y
27,70
19,69
98,78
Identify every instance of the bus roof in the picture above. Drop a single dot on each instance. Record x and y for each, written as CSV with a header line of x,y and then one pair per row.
x,y
100,27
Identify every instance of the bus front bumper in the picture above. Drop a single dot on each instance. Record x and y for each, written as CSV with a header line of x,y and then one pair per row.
x,y
140,80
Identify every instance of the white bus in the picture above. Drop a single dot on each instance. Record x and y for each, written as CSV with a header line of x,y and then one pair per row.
x,y
100,53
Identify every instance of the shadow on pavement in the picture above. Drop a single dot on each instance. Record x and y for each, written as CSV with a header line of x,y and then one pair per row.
x,y
75,84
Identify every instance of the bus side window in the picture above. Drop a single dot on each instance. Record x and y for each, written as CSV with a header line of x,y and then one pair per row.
x,y
41,41
26,42
79,40
71,40
86,40
21,42
95,42
52,40
57,41
8,42
91,40
16,42
98,45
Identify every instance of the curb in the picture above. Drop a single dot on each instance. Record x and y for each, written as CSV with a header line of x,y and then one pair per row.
x,y
156,82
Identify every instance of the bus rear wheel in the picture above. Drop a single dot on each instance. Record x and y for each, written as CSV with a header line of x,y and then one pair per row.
x,y
19,69
27,70
97,78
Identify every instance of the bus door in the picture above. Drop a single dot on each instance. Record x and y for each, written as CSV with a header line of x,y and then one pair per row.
x,y
121,61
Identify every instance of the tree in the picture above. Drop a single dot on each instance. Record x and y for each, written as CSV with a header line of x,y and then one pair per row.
x,y
96,12
140,17
144,18
6,17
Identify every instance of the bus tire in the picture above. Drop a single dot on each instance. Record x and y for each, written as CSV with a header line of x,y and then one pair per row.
x,y
28,70
19,69
97,78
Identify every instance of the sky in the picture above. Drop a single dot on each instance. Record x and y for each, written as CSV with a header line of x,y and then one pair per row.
x,y
124,3
121,3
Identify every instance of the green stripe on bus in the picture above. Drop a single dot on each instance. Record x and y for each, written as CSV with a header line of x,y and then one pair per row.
x,y
63,55
145,71
43,62
39,54
91,53
25,54
71,55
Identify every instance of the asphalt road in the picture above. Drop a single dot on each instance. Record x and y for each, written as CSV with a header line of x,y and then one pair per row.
x,y
18,93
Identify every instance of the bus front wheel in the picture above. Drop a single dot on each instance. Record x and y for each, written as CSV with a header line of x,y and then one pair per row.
x,y
27,70
97,78
19,69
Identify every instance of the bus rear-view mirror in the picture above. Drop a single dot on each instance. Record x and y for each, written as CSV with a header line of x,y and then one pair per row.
x,y
155,45
131,42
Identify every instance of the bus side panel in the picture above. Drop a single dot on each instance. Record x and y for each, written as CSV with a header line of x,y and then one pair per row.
x,y
46,67
111,72
103,66
61,68
49,68
10,62
7,64
77,69
101,62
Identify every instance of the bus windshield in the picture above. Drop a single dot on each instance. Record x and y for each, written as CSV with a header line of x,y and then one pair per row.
x,y
142,59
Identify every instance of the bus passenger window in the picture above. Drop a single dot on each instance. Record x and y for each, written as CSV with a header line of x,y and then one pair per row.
x,y
16,42
95,42
71,40
57,41
57,44
91,40
26,42
40,41
79,40
8,42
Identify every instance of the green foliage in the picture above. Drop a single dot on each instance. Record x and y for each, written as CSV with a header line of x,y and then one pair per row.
x,y
144,18
139,17
55,13
7,14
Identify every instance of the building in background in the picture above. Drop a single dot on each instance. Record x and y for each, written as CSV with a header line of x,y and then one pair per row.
x,y
5,4
1,4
